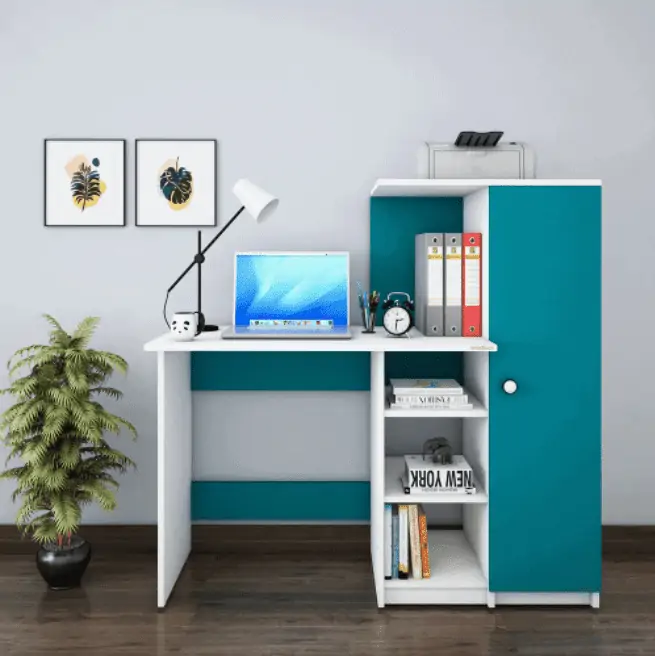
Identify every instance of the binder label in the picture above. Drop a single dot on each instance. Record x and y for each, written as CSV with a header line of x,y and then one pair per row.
x,y
454,275
435,275
472,276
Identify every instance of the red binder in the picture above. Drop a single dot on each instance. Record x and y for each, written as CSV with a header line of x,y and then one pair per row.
x,y
472,284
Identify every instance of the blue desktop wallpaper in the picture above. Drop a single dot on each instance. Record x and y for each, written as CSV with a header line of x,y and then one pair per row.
x,y
270,287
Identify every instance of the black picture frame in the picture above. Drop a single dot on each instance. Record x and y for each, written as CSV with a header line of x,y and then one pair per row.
x,y
136,184
48,140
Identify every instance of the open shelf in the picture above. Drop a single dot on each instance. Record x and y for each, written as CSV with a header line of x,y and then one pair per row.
x,y
393,490
456,575
478,410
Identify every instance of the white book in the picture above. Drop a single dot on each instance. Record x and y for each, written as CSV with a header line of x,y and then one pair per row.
x,y
426,386
403,546
442,490
433,399
427,476
388,541
431,403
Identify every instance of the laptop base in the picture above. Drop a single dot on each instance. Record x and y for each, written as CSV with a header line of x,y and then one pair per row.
x,y
243,332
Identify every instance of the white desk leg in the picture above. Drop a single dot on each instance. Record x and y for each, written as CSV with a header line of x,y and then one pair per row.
x,y
377,473
174,441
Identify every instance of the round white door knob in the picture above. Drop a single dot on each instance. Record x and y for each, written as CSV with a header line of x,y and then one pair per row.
x,y
510,387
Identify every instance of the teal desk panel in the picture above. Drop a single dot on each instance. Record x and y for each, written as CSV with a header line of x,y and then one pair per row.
x,y
280,501
545,440
394,224
291,371
423,365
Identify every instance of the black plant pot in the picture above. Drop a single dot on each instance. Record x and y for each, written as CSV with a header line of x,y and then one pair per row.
x,y
63,568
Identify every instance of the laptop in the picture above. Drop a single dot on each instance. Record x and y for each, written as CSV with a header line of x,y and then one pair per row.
x,y
291,296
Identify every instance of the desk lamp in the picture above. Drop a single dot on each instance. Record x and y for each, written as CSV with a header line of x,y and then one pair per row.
x,y
260,205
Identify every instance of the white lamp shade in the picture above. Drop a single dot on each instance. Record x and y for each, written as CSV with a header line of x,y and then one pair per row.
x,y
258,203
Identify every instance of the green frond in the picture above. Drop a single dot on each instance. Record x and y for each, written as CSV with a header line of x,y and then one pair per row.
x,y
107,391
84,331
66,513
109,360
100,494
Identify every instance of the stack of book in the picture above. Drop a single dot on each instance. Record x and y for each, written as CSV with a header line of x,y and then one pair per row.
x,y
428,393
421,475
406,549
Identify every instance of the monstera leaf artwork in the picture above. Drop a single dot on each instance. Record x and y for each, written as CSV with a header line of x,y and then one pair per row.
x,y
86,185
176,183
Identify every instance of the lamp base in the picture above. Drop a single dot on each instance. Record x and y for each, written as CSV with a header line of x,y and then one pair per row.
x,y
210,328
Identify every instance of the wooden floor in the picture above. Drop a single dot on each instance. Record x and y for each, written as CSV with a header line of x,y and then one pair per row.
x,y
306,605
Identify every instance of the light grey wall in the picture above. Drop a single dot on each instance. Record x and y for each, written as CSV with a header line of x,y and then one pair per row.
x,y
315,100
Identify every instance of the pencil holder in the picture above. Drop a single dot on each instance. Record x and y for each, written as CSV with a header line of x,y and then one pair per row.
x,y
368,321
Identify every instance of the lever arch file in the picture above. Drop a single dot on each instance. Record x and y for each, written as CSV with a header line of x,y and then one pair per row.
x,y
429,283
472,285
453,284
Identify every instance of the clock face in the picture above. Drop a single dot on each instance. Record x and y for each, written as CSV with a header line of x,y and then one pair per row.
x,y
397,321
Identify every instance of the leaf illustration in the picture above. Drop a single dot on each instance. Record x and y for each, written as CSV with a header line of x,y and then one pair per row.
x,y
85,185
176,184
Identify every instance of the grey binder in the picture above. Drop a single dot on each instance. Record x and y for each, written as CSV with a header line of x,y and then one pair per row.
x,y
453,284
429,284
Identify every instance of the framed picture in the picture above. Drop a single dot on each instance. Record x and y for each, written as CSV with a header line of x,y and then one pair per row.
x,y
84,182
176,182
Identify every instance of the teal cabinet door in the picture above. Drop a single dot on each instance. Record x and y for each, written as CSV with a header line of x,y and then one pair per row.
x,y
545,440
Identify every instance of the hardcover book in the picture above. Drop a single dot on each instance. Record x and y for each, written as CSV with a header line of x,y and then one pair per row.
x,y
403,546
394,537
425,547
423,475
415,542
388,544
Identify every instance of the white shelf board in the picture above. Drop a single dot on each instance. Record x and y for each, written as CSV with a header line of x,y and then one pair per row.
x,y
456,575
478,410
422,187
393,489
366,342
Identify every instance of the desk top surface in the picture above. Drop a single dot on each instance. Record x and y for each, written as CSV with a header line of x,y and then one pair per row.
x,y
367,342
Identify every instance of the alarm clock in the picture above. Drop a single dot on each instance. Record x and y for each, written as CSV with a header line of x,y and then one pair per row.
x,y
398,318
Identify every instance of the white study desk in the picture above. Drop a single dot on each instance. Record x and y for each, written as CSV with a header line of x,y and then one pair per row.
x,y
175,430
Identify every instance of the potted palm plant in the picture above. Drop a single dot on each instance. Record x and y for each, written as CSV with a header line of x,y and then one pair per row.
x,y
57,429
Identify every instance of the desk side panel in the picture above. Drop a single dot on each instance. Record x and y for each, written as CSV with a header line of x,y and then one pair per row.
x,y
174,443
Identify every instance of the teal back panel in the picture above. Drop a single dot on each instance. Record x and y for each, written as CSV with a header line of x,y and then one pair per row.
x,y
394,224
280,501
280,371
545,440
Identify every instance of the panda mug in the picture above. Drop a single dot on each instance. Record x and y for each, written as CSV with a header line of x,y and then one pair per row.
x,y
185,326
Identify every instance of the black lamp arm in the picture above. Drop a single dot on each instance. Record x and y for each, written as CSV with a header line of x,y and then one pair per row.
x,y
200,257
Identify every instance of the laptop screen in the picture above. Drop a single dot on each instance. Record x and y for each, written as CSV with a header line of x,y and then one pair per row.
x,y
291,290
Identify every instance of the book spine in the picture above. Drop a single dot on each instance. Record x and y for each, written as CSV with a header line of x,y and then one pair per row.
x,y
394,536
415,542
388,547
403,551
425,547
440,399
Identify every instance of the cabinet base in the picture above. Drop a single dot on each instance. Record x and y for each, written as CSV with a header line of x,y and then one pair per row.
x,y
548,599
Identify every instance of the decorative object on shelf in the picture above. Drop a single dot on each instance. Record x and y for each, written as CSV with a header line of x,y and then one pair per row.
x,y
260,205
368,305
84,182
176,182
57,427
439,450
184,326
398,314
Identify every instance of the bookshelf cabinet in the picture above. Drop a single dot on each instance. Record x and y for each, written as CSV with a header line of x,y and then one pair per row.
x,y
532,533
